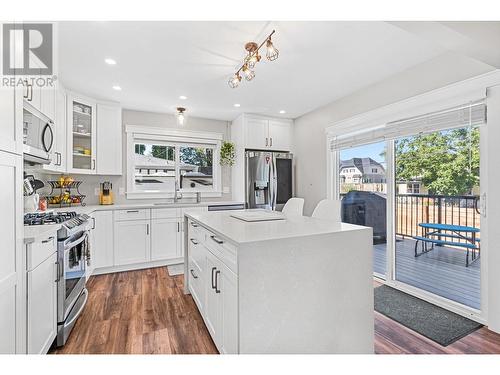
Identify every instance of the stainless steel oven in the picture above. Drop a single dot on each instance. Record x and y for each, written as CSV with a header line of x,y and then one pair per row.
x,y
73,250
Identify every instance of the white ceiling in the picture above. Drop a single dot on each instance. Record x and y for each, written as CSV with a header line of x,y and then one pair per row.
x,y
319,62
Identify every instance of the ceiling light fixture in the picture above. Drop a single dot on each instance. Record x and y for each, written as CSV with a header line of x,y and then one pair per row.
x,y
237,105
282,112
182,97
252,59
110,61
181,115
117,88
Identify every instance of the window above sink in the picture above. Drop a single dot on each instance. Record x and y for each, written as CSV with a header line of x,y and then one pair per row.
x,y
158,160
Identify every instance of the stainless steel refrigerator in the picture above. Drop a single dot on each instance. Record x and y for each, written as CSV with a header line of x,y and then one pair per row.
x,y
269,179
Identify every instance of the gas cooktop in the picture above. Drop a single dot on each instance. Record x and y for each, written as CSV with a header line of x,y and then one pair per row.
x,y
44,218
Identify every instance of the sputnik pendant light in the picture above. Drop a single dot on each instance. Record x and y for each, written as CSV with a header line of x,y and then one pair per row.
x,y
252,59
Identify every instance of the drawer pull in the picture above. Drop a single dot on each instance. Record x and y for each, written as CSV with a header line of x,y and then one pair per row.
x,y
193,241
132,211
220,242
50,239
217,290
192,273
194,225
213,284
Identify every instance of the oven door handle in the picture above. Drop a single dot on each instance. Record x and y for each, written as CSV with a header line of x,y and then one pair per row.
x,y
77,242
75,317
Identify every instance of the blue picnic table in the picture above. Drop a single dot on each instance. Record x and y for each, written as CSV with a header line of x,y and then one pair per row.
x,y
447,235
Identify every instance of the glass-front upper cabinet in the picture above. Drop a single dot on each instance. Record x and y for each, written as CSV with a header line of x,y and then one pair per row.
x,y
81,135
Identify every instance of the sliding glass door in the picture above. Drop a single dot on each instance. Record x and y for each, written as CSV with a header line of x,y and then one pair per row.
x,y
362,186
437,222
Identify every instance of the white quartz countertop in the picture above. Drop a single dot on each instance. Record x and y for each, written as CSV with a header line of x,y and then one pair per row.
x,y
39,232
240,232
96,207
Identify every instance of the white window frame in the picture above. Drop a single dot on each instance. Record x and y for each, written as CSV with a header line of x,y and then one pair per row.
x,y
178,138
447,97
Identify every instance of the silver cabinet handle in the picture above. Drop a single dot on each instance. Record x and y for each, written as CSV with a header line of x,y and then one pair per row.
x,y
220,242
194,225
271,142
217,290
93,223
192,273
93,164
213,284
30,93
266,141
194,242
178,227
50,239
27,89
132,211
147,229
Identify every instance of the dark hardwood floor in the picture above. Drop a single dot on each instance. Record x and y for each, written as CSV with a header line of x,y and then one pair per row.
x,y
146,311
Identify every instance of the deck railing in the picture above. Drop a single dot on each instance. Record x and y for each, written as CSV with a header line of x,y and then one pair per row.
x,y
412,209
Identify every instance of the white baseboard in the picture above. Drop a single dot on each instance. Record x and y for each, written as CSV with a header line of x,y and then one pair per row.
x,y
137,266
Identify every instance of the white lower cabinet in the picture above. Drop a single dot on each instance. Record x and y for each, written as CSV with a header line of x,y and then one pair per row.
x,y
101,240
219,288
132,242
41,288
165,239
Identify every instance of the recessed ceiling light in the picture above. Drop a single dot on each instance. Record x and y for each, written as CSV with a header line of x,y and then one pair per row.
x,y
110,61
282,111
117,88
182,97
237,105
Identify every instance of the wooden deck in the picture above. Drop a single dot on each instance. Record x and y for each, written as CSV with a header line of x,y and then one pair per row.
x,y
441,271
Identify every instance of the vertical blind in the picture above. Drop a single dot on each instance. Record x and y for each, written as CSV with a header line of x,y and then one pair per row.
x,y
472,114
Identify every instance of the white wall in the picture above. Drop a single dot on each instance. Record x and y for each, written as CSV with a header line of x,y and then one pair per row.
x,y
309,130
163,120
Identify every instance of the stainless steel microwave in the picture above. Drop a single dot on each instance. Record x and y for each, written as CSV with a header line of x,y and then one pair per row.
x,y
38,136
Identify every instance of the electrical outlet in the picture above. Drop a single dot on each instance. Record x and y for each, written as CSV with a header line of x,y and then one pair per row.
x,y
96,192
121,191
226,190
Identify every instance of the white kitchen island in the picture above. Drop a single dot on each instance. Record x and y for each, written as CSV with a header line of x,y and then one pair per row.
x,y
299,285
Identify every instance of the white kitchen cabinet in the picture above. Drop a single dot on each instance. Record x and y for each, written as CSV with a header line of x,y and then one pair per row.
x,y
42,305
212,313
11,119
109,139
280,135
12,271
221,306
165,239
101,240
132,242
257,133
81,137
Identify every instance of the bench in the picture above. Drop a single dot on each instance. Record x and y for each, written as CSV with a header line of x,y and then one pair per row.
x,y
470,239
425,240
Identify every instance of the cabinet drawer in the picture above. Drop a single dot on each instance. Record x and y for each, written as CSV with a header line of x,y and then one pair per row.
x,y
196,231
165,213
37,252
122,215
196,285
197,253
223,250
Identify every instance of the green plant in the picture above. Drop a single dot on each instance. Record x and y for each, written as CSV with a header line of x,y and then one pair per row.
x,y
227,153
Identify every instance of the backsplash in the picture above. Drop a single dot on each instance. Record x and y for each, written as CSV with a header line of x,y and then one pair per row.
x,y
90,183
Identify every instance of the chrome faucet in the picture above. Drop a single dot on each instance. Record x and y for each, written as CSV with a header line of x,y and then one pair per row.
x,y
177,193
